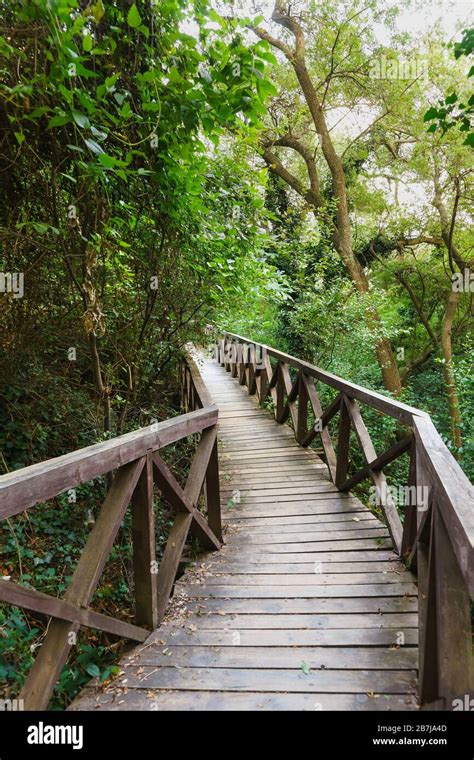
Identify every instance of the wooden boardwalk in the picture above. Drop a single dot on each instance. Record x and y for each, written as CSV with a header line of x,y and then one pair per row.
x,y
306,607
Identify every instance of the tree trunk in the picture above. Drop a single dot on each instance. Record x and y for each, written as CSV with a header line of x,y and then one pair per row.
x,y
449,379
342,236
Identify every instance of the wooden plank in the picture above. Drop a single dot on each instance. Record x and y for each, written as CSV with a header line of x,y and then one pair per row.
x,y
262,490
276,658
297,558
272,537
363,523
306,579
141,699
248,473
345,637
294,522
428,667
318,546
257,485
320,504
293,568
289,606
308,592
196,679
305,622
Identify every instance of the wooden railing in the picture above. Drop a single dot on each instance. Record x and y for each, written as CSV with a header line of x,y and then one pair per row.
x,y
137,465
436,537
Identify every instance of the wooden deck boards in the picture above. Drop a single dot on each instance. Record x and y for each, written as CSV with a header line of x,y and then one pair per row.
x,y
306,607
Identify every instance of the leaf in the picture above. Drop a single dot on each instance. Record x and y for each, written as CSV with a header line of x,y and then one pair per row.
x,y
93,146
81,119
59,120
266,88
98,11
93,670
133,17
87,43
107,161
20,137
431,113
305,668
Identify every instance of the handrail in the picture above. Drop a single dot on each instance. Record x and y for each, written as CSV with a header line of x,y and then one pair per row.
x,y
436,538
135,457
394,408
23,488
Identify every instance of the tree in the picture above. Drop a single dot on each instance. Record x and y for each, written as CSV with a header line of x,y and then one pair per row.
x,y
341,225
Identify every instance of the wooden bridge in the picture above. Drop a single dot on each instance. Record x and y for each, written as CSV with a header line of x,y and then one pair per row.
x,y
312,602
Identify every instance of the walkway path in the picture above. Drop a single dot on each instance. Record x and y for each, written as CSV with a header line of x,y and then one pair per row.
x,y
306,607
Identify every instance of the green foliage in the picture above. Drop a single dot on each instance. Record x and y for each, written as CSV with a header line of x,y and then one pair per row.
x,y
453,111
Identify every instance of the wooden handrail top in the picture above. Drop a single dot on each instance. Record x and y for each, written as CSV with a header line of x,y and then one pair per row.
x,y
199,385
398,410
36,483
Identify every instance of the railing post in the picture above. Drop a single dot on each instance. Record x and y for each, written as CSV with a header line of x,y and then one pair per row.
x,y
302,418
144,552
446,661
221,351
428,666
455,660
213,500
233,359
251,379
280,395
342,463
410,527
226,357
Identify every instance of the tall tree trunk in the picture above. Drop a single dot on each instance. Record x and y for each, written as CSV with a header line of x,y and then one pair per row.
x,y
342,236
452,301
449,379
